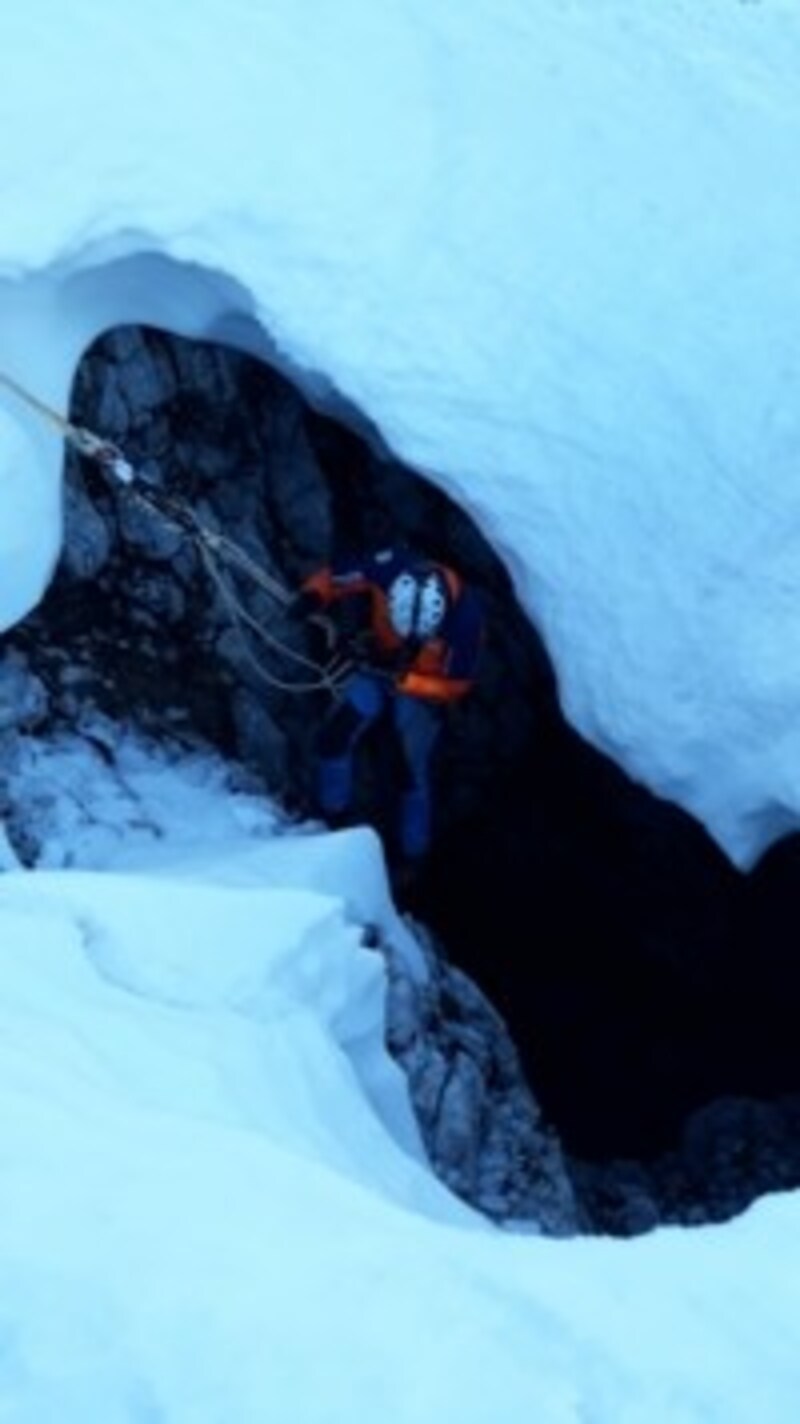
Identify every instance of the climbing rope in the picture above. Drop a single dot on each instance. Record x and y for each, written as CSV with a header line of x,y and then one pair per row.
x,y
215,550
330,675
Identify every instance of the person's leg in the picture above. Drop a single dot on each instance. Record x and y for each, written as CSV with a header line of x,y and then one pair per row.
x,y
362,702
418,725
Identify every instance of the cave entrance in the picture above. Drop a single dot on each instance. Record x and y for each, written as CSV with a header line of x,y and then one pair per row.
x,y
648,986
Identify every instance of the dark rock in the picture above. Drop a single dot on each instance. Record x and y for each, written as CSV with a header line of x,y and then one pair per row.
x,y
640,978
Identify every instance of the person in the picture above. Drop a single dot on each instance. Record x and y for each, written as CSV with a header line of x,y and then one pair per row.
x,y
424,627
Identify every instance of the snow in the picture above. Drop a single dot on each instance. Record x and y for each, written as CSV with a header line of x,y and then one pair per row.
x,y
213,1203
550,249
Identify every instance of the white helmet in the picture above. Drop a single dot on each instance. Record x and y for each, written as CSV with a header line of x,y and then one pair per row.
x,y
417,605
402,598
431,605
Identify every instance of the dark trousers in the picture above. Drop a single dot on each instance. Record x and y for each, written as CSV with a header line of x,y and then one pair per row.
x,y
367,697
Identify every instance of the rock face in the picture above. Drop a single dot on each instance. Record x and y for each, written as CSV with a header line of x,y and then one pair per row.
x,y
481,1125
255,464
639,975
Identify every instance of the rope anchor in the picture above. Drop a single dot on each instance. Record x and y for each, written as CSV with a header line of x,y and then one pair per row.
x,y
214,550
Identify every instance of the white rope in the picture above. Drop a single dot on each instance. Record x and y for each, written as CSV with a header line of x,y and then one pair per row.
x,y
213,548
329,677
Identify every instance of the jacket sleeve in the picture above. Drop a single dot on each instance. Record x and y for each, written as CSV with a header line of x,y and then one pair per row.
x,y
334,582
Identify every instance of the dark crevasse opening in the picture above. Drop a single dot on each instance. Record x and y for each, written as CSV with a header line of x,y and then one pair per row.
x,y
649,988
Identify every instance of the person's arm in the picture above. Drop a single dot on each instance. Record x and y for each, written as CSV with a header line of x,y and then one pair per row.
x,y
329,585
336,581
313,594
310,604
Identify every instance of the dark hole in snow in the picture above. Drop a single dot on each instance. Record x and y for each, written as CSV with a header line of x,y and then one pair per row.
x,y
649,988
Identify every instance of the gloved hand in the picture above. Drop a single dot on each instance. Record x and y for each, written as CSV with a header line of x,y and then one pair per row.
x,y
308,604
304,603
325,626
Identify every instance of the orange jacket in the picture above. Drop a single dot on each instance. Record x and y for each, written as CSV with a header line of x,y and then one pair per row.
x,y
440,669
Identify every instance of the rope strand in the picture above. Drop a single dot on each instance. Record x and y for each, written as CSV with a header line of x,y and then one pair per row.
x,y
214,549
328,676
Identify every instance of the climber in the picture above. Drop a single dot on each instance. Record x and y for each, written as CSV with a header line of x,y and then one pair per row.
x,y
414,630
